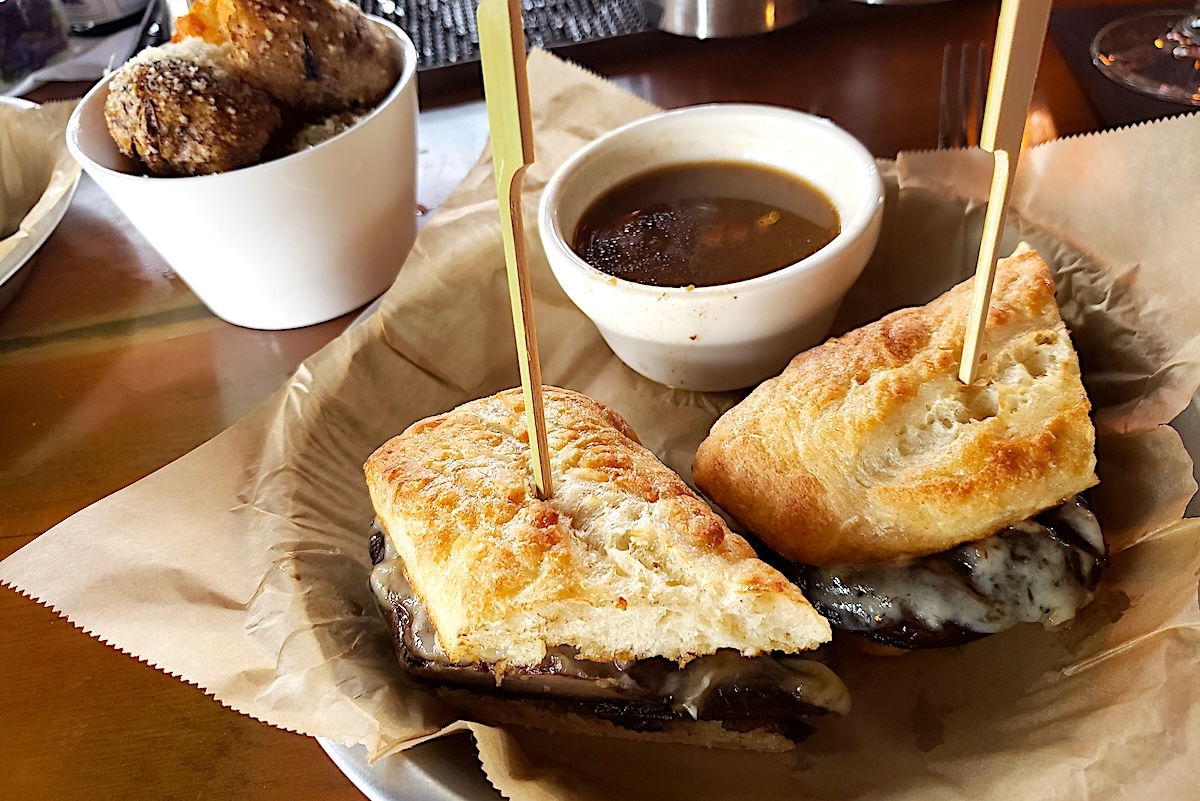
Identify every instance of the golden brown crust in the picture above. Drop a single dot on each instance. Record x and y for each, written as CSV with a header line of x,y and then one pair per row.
x,y
868,447
183,111
625,562
314,56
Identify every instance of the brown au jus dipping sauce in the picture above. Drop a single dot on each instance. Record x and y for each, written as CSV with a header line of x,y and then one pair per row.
x,y
704,224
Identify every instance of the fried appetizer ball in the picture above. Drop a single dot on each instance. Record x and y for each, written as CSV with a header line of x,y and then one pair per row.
x,y
182,110
315,56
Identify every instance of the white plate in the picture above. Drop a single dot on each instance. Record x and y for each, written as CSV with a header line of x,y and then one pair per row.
x,y
446,769
12,272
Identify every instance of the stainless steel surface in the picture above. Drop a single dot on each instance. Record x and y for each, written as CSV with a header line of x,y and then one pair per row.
x,y
444,30
900,2
155,28
711,19
446,769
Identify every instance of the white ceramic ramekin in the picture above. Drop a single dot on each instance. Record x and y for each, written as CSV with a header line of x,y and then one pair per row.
x,y
733,335
287,243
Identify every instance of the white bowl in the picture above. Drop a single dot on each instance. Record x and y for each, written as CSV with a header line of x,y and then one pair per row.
x,y
733,335
288,243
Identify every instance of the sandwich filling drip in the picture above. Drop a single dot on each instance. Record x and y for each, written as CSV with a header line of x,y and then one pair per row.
x,y
773,691
1041,570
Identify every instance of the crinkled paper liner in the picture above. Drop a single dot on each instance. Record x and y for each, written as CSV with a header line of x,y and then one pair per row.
x,y
242,567
36,170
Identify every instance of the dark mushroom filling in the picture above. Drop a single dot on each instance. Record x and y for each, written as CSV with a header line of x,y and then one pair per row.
x,y
1042,570
776,692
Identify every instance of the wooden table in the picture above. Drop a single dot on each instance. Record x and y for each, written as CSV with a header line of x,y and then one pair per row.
x,y
110,368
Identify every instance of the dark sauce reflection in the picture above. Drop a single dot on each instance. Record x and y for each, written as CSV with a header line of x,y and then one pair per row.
x,y
704,224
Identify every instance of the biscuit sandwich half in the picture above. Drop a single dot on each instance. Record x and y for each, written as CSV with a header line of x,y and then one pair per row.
x,y
622,606
912,509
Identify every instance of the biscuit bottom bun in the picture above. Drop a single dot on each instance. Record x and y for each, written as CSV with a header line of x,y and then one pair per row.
x,y
912,508
622,606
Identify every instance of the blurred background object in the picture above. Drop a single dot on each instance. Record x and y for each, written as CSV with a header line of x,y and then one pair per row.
x,y
101,17
87,56
712,19
1156,53
1075,31
444,30
900,2
31,34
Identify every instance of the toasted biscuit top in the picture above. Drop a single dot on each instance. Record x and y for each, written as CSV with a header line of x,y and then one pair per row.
x,y
624,562
868,448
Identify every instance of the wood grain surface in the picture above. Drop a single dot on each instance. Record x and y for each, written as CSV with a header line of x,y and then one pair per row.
x,y
110,368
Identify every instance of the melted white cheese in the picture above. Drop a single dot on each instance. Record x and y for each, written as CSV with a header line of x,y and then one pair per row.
x,y
983,587
563,673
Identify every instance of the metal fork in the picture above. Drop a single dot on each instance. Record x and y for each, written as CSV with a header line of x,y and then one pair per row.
x,y
965,71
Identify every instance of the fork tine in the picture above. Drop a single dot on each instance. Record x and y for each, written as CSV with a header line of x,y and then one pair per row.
x,y
983,69
965,70
945,113
965,87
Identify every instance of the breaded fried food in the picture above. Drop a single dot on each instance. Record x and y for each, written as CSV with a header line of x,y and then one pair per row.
x,y
315,56
183,110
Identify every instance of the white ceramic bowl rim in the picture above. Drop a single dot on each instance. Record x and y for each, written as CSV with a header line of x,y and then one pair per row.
x,y
850,232
407,71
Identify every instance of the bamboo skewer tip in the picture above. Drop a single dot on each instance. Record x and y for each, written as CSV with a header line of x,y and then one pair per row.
x,y
1020,34
502,53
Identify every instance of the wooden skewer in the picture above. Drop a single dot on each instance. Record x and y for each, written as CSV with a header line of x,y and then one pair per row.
x,y
1019,37
506,90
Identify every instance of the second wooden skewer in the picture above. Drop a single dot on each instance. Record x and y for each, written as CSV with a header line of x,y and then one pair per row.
x,y
1019,37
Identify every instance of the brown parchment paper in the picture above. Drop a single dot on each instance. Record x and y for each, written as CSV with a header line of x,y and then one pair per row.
x,y
242,567
36,169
